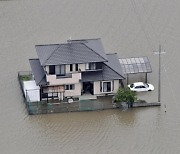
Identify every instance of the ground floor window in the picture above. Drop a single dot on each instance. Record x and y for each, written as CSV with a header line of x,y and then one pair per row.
x,y
107,86
70,87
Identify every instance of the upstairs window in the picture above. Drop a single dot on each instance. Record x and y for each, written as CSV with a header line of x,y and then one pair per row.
x,y
71,68
51,69
60,70
76,67
92,66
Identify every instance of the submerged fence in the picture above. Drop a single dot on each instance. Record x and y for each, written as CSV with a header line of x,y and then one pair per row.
x,y
44,107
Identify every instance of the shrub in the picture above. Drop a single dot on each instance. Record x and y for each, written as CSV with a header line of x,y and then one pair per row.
x,y
125,95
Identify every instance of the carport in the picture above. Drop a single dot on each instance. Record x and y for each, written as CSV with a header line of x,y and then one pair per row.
x,y
135,65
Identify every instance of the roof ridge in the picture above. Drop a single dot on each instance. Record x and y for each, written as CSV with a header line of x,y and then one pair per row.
x,y
111,53
52,53
84,39
34,59
41,79
46,44
94,51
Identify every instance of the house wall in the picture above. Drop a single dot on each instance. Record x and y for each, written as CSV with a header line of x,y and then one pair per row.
x,y
47,69
97,88
53,81
75,92
116,85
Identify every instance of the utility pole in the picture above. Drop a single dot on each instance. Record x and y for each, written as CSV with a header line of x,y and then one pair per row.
x,y
159,78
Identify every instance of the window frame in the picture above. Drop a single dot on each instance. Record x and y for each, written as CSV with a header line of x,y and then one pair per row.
x,y
70,87
102,86
52,70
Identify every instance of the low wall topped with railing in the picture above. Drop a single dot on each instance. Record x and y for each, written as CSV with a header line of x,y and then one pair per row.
x,y
58,106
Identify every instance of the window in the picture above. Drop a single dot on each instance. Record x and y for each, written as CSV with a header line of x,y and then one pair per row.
x,y
69,87
51,69
107,87
71,67
76,67
92,66
60,69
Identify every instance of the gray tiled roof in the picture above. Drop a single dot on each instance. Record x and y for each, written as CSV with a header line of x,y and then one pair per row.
x,y
71,53
106,74
45,51
94,44
111,70
113,63
38,72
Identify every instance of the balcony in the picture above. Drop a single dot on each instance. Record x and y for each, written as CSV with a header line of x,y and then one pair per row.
x,y
94,67
69,75
65,79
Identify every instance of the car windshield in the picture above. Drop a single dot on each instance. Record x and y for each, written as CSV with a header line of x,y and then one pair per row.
x,y
146,85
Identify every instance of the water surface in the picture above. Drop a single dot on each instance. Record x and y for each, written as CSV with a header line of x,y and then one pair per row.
x,y
128,27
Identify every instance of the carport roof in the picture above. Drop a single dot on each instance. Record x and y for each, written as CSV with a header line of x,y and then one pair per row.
x,y
135,65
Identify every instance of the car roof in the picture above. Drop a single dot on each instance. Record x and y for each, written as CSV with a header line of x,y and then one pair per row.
x,y
138,83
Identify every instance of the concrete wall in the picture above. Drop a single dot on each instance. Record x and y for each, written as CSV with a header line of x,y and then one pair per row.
x,y
53,81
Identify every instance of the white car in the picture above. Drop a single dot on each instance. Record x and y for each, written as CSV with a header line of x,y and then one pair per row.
x,y
140,86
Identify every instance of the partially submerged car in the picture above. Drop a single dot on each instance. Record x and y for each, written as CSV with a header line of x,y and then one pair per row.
x,y
140,86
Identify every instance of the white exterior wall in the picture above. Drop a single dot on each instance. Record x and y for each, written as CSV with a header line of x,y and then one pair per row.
x,y
116,85
32,90
68,69
53,81
82,67
97,88
47,69
75,92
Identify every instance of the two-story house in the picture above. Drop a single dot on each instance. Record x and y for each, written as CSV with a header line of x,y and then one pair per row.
x,y
76,68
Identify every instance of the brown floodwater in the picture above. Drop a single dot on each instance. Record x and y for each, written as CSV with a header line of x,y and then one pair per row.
x,y
131,28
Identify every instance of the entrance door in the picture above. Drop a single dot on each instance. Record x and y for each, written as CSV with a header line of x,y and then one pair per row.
x,y
88,88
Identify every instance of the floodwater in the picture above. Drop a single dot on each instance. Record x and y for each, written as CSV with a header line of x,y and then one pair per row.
x,y
129,27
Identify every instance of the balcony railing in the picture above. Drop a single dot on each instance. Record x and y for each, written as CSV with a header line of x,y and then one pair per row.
x,y
69,75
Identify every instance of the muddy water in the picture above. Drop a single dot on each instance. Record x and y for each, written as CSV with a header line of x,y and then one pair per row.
x,y
128,27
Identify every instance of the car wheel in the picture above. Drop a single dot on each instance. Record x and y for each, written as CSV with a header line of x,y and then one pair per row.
x,y
149,90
